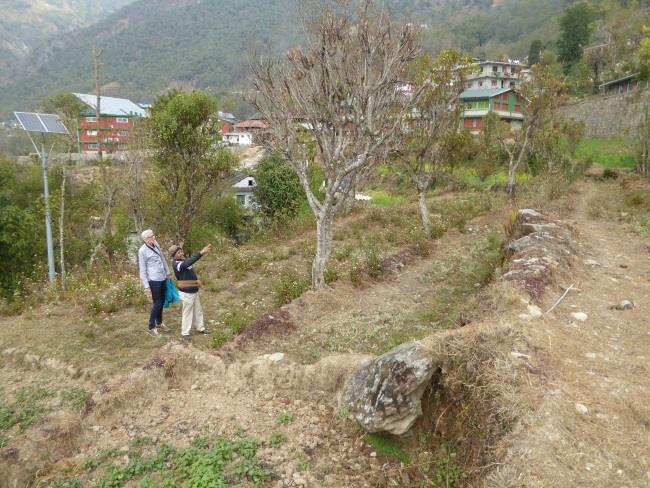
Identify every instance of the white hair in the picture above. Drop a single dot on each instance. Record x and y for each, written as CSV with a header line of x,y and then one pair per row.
x,y
146,234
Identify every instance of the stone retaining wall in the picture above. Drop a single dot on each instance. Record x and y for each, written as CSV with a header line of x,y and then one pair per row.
x,y
609,115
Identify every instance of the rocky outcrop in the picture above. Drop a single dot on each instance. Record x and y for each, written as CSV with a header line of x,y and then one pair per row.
x,y
384,395
539,247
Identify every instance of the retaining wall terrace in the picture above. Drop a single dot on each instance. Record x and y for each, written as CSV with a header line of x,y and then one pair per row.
x,y
616,115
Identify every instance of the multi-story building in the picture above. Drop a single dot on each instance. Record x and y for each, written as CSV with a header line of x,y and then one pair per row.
x,y
112,130
497,74
504,102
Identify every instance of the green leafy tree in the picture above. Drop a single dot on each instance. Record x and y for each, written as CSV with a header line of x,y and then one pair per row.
x,y
576,26
535,52
184,133
278,191
22,234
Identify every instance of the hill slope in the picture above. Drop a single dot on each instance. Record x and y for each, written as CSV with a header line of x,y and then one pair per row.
x,y
152,45
25,24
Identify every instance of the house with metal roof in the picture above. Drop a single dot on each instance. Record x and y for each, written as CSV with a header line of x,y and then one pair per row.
x,y
504,102
111,132
624,84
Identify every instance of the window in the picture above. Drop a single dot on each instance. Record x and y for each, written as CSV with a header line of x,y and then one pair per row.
x,y
474,123
512,84
91,132
122,120
480,83
494,69
122,146
123,132
494,82
92,145
241,199
91,119
250,182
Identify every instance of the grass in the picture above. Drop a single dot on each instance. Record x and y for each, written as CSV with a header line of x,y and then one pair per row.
x,y
382,198
387,445
610,153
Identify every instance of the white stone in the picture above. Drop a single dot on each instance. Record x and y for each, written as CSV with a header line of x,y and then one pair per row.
x,y
534,311
581,409
590,355
275,357
525,316
592,262
579,316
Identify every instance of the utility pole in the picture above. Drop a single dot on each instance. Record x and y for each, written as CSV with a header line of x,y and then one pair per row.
x,y
48,216
96,53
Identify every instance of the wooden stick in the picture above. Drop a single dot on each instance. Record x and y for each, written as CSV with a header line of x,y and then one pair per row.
x,y
560,299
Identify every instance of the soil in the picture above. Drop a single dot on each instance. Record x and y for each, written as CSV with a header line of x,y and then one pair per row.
x,y
589,380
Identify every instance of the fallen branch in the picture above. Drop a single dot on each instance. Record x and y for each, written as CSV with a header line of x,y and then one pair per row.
x,y
560,299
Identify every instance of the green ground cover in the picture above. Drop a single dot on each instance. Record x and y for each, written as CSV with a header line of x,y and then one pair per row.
x,y
610,153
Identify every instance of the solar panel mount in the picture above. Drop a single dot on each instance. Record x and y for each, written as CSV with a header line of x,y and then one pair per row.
x,y
43,123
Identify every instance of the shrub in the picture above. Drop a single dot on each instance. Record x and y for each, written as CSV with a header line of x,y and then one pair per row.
x,y
278,191
289,287
232,219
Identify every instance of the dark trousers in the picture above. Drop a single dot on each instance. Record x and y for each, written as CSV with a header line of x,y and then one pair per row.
x,y
158,289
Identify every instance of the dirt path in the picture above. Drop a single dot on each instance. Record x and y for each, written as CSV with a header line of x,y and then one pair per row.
x,y
592,428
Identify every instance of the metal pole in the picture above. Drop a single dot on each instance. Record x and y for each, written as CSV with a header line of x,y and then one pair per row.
x,y
48,218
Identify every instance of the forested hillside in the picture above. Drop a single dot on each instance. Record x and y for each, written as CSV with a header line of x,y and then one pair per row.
x,y
153,45
26,24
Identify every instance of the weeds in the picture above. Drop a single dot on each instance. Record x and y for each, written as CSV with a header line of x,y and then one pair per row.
x,y
289,287
27,408
277,440
284,419
203,464
74,399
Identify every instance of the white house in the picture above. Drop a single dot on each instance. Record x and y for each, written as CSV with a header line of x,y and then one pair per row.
x,y
238,138
243,188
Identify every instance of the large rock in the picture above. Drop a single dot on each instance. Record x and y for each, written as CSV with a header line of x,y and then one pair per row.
x,y
384,394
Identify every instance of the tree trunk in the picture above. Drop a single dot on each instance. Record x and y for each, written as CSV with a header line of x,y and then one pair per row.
x,y
61,222
511,180
424,212
324,231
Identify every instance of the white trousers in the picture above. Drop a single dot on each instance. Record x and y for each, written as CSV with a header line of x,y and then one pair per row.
x,y
192,312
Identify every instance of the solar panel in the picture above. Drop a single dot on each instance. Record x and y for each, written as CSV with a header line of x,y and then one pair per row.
x,y
43,123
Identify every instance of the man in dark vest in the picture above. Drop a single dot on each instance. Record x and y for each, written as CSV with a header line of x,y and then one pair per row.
x,y
188,286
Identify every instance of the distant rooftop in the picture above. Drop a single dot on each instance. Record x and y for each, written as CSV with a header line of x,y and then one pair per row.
x,y
618,80
112,105
483,93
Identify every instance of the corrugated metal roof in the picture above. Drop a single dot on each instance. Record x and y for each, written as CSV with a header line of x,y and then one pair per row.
x,y
622,78
483,93
112,105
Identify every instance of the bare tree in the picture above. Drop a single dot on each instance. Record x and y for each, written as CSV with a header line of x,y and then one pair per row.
x,y
132,184
431,140
338,96
61,222
109,189
541,96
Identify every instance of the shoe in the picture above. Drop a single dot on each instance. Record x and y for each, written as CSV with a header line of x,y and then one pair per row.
x,y
154,332
204,331
163,327
187,338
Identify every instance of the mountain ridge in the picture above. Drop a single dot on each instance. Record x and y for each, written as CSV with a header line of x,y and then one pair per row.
x,y
151,46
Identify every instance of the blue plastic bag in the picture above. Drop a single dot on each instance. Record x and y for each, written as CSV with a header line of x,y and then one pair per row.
x,y
171,294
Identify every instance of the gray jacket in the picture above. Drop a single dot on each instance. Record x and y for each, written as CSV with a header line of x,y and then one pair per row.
x,y
152,265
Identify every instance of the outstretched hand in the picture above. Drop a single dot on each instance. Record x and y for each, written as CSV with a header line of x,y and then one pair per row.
x,y
206,249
